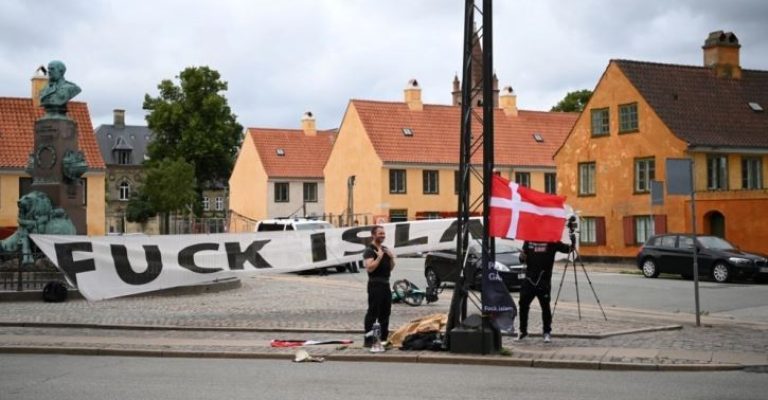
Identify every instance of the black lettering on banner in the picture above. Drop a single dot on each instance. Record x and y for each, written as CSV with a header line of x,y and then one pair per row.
x,y
251,254
68,264
187,257
126,272
402,232
351,236
318,247
475,230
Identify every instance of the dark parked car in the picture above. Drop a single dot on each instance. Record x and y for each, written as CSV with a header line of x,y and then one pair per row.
x,y
718,259
440,266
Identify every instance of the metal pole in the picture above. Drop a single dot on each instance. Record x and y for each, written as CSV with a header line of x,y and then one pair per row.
x,y
695,246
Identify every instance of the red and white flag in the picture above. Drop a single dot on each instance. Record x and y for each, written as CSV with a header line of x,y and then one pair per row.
x,y
518,212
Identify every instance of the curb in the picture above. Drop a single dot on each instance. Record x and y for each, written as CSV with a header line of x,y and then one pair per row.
x,y
393,358
74,294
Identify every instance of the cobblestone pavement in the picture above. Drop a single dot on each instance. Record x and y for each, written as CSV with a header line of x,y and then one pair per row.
x,y
265,307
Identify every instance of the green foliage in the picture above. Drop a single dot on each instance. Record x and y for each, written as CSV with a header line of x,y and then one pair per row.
x,y
170,185
573,101
193,121
139,208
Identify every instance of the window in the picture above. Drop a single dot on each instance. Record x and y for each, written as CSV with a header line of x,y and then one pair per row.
x,y
123,157
586,179
431,185
397,182
280,152
550,183
538,138
668,241
523,179
428,215
219,203
717,172
456,182
587,231
643,228
628,117
206,203
685,242
407,132
645,172
751,173
124,191
398,215
600,122
310,192
281,192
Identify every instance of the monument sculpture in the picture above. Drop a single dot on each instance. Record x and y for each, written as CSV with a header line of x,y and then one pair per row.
x,y
56,203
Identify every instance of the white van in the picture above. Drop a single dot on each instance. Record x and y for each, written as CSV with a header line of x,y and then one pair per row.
x,y
291,224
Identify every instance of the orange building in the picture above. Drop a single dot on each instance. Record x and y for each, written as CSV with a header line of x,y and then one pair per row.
x,y
404,155
17,138
279,173
642,114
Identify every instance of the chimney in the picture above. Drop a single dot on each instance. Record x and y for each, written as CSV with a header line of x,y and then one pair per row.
x,y
39,80
508,101
721,54
119,117
308,124
413,96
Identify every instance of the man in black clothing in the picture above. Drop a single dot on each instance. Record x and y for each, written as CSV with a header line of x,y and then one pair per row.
x,y
539,257
379,262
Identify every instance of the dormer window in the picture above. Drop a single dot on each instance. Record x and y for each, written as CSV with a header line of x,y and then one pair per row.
x,y
123,157
280,152
407,132
538,138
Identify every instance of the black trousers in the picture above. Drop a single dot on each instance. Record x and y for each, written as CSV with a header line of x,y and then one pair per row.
x,y
528,292
379,307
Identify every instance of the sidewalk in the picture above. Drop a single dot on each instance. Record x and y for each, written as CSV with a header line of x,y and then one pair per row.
x,y
240,323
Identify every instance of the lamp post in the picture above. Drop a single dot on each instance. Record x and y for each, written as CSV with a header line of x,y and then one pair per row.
x,y
350,199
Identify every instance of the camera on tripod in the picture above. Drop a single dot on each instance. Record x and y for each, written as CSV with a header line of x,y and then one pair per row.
x,y
572,225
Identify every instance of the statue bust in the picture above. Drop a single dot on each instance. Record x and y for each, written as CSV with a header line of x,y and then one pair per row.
x,y
58,92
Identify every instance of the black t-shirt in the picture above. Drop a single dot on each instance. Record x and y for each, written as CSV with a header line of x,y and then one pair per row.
x,y
385,266
540,257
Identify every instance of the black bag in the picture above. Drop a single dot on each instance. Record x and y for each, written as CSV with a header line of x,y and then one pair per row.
x,y
55,292
422,341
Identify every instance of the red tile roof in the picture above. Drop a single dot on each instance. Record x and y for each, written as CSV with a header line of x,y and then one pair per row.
x,y
17,125
701,108
305,156
436,130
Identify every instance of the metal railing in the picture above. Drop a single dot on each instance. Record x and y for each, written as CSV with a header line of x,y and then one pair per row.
x,y
18,276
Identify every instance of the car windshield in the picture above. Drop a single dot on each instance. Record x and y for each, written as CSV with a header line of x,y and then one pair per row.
x,y
714,243
312,226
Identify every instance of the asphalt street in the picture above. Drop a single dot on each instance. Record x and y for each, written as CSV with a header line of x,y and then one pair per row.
x,y
64,377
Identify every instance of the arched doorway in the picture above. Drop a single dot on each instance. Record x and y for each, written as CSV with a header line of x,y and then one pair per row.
x,y
714,221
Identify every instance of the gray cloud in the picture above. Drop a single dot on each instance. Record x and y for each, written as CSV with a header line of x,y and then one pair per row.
x,y
284,58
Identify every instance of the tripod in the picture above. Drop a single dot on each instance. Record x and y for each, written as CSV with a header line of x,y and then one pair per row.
x,y
574,256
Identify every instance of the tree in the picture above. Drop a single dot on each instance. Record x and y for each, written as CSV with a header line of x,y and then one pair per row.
x,y
573,101
193,121
139,208
170,186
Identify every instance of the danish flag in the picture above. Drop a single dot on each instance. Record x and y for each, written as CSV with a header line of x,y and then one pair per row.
x,y
518,212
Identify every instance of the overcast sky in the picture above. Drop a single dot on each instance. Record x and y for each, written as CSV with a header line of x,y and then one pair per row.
x,y
282,58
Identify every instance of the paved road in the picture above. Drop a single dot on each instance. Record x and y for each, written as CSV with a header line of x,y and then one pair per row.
x,y
82,378
741,300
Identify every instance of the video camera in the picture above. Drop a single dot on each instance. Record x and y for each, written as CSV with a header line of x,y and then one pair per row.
x,y
572,224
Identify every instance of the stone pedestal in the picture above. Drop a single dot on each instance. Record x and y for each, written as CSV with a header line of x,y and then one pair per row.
x,y
53,138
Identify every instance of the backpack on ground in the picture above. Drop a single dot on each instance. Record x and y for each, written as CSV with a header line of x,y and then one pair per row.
x,y
55,292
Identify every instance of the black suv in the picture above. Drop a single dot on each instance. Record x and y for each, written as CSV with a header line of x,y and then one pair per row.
x,y
672,253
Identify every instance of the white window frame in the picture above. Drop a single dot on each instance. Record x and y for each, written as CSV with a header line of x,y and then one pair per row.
x,y
588,230
124,191
587,172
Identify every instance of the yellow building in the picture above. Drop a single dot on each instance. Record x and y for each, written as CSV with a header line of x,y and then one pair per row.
x,y
17,122
404,156
642,114
279,173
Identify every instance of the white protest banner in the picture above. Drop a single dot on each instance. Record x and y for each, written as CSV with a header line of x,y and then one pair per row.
x,y
112,266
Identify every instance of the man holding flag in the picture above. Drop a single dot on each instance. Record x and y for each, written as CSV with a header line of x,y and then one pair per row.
x,y
539,219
